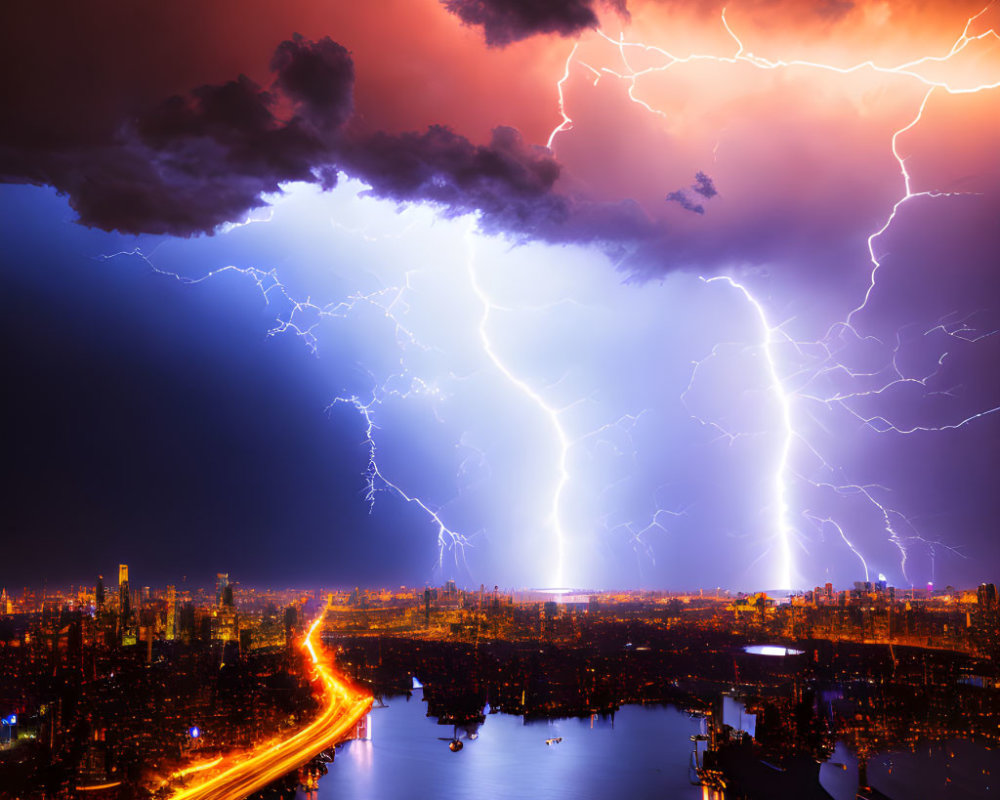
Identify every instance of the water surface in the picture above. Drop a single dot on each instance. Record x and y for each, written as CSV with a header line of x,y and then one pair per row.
x,y
644,753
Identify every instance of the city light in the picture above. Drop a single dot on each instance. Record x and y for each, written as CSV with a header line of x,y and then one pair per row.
x,y
344,706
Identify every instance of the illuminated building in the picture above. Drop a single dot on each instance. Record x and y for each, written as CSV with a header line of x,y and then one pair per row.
x,y
126,630
171,613
987,596
226,626
124,600
221,582
99,593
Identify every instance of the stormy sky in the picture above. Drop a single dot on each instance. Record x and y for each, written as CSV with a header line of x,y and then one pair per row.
x,y
530,293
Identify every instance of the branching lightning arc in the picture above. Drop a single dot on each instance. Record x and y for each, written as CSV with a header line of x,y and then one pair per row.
x,y
794,370
816,359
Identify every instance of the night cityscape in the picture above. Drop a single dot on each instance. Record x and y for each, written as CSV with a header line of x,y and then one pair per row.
x,y
570,399
121,692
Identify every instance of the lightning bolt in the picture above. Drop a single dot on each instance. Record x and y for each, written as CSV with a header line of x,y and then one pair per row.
x,y
300,318
550,412
836,526
448,539
819,358
567,123
793,387
631,76
784,532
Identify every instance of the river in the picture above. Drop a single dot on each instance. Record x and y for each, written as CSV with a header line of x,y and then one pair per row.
x,y
643,753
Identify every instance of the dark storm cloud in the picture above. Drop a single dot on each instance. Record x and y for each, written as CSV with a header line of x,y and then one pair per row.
x,y
507,21
199,160
318,78
196,161
508,181
680,197
704,185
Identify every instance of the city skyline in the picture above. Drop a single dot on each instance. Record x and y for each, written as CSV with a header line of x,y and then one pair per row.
x,y
91,596
173,696
654,297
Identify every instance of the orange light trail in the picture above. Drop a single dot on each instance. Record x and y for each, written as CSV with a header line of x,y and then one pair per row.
x,y
345,705
98,787
183,773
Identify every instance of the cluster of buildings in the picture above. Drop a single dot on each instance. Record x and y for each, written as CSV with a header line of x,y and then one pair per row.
x,y
869,612
125,615
961,620
107,684
110,685
870,667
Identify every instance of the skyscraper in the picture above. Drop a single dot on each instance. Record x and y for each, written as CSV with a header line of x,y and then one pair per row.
x,y
99,593
124,599
988,599
171,613
221,582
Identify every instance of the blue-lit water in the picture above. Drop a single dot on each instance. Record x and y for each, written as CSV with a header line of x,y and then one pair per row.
x,y
771,650
961,770
645,754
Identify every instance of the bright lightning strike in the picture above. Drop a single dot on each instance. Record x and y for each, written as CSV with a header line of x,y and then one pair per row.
x,y
550,412
404,307
784,532
300,317
819,357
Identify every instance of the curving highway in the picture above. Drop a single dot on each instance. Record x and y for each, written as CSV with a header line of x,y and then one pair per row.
x,y
344,706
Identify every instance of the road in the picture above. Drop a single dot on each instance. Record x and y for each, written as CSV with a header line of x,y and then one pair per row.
x,y
344,706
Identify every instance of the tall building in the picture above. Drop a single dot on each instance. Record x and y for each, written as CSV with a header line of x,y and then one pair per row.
x,y
987,597
99,593
221,582
124,598
171,613
989,605
227,626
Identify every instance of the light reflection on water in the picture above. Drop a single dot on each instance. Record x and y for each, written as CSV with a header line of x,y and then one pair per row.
x,y
957,769
771,650
644,753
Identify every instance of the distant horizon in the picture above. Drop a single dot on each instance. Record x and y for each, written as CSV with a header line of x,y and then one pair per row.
x,y
553,591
